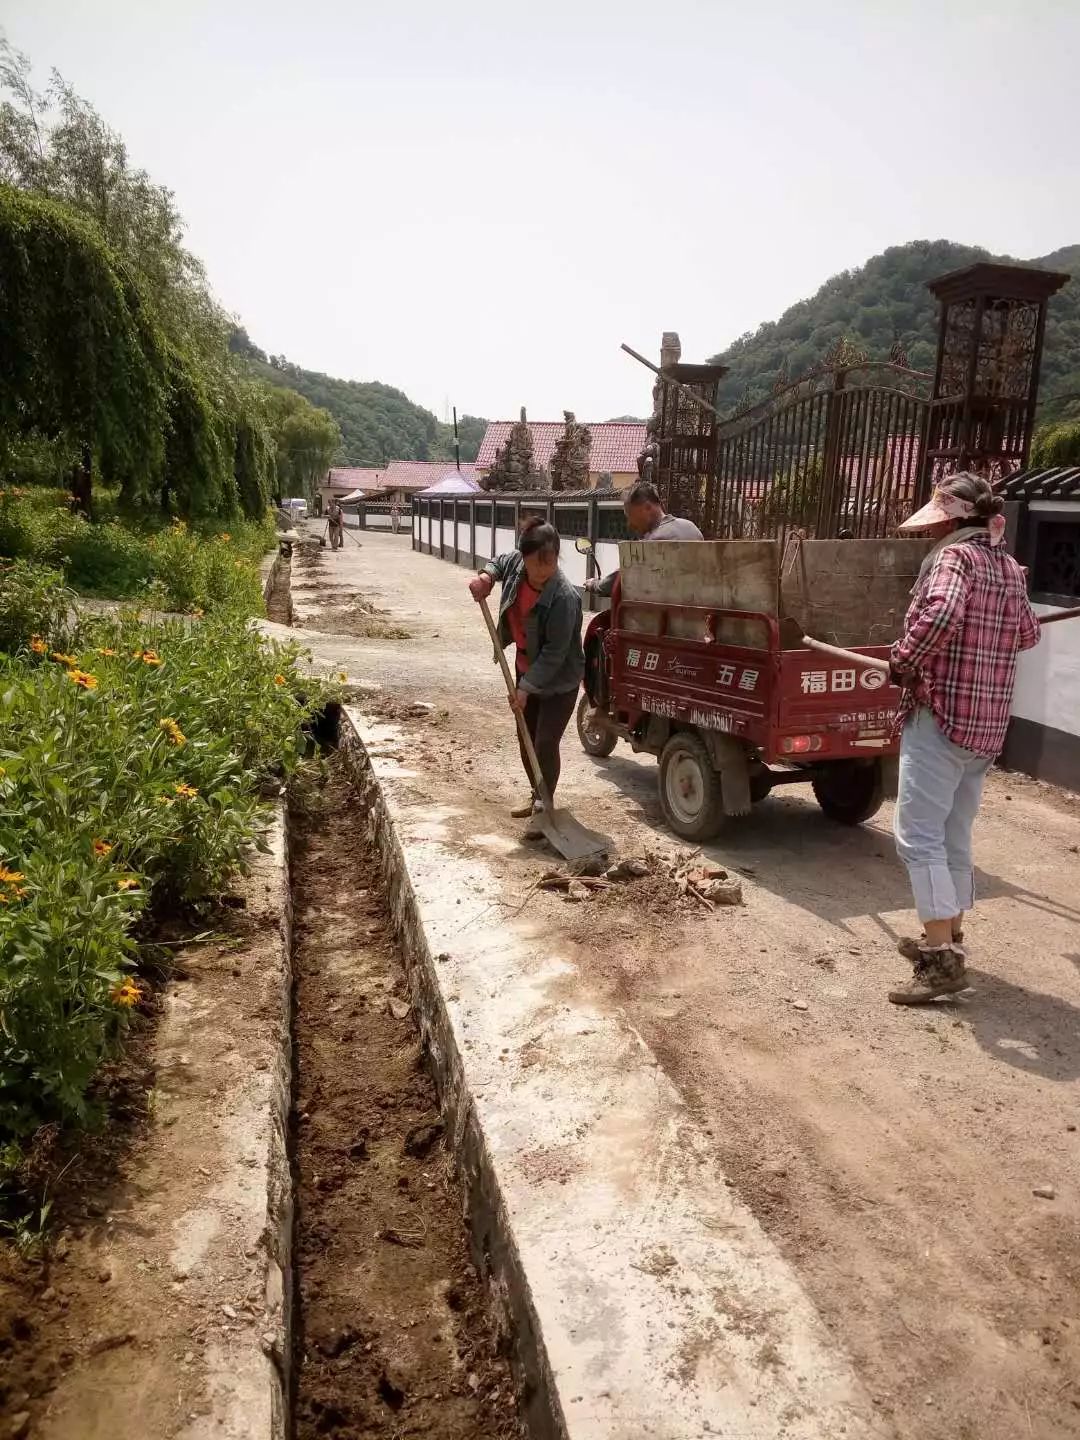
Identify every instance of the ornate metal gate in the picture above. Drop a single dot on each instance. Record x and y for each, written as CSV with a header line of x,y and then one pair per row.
x,y
851,450
840,451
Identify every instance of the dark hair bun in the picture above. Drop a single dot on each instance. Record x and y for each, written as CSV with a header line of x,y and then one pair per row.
x,y
531,522
989,504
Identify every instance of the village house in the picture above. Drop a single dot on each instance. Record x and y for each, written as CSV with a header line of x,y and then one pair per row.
x,y
398,481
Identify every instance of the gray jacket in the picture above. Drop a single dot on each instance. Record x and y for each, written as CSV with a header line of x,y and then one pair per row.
x,y
552,628
668,527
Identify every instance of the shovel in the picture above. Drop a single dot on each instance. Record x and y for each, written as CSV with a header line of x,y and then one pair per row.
x,y
563,833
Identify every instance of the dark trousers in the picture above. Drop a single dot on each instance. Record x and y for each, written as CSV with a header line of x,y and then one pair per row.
x,y
546,718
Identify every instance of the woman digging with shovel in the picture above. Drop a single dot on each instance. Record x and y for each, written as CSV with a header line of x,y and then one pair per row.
x,y
540,612
968,620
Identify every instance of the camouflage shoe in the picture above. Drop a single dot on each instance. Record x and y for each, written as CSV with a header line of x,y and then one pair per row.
x,y
937,972
912,949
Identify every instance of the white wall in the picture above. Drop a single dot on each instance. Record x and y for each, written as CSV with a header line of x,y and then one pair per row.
x,y
464,534
607,554
1048,678
505,540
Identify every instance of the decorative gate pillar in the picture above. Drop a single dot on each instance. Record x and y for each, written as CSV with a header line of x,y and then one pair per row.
x,y
686,436
986,383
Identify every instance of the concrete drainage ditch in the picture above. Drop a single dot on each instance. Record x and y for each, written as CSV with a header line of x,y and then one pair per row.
x,y
393,1326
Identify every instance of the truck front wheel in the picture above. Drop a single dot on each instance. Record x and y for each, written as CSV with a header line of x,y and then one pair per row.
x,y
849,791
690,795
596,739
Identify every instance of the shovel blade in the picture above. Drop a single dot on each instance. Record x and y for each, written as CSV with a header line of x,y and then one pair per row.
x,y
569,837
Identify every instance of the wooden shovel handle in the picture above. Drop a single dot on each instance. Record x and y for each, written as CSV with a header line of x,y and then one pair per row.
x,y
523,730
870,662
1059,615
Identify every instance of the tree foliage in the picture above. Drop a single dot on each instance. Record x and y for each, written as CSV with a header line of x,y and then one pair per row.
x,y
1057,444
114,355
378,423
885,302
82,362
471,431
306,439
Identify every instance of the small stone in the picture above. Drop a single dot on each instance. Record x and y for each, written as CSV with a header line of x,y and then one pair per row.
x,y
20,1425
228,1311
799,1005
398,1008
50,1293
1044,1192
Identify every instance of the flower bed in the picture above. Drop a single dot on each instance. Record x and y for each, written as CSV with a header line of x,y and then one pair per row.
x,y
132,761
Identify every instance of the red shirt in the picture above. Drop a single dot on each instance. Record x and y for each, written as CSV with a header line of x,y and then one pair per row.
x,y
516,616
969,620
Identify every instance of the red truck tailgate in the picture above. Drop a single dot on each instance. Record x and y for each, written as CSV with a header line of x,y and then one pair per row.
x,y
852,707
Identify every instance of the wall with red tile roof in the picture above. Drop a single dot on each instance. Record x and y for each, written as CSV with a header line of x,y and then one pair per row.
x,y
616,444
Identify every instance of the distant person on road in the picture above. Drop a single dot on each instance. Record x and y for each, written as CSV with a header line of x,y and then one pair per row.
x,y
968,620
395,517
540,612
648,520
335,522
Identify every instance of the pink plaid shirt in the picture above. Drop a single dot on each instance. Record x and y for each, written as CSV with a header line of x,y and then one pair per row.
x,y
969,619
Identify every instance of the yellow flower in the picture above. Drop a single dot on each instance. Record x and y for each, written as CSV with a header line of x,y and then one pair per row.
x,y
126,994
127,882
148,657
109,654
63,659
165,800
225,536
102,847
186,792
38,646
342,676
175,735
10,877
279,680
198,612
83,678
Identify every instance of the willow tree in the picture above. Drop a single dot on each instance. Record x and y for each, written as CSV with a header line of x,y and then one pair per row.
x,y
82,362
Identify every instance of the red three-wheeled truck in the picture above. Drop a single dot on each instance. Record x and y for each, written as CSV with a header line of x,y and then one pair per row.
x,y
700,660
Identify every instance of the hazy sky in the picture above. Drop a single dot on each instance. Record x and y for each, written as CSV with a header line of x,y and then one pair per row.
x,y
477,201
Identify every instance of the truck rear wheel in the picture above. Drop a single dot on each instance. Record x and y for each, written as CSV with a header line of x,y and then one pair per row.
x,y
595,739
690,793
849,791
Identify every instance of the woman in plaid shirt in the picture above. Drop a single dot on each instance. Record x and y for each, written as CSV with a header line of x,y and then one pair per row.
x,y
956,661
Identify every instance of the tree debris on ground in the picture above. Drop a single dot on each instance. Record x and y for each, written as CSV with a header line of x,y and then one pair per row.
x,y
701,882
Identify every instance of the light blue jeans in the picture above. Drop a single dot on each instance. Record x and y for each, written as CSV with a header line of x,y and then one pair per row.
x,y
938,798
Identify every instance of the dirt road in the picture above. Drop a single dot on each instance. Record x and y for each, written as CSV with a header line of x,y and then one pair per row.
x,y
891,1155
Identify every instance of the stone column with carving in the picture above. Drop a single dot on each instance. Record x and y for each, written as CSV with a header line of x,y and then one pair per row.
x,y
570,461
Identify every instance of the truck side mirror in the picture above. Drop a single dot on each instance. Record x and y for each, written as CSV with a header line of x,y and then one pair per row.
x,y
583,545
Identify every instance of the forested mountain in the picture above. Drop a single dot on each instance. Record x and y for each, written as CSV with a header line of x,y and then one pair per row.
x,y
886,301
378,423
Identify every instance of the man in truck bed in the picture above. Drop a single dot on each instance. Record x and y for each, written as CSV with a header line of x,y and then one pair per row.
x,y
648,520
